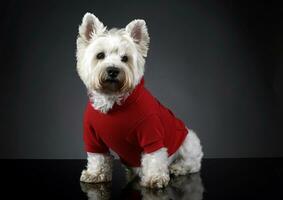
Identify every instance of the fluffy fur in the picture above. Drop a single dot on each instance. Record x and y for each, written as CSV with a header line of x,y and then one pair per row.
x,y
99,168
114,44
154,169
188,157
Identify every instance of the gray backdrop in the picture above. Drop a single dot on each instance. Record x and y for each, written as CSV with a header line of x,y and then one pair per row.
x,y
217,64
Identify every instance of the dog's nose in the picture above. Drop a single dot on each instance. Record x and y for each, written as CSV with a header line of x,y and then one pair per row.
x,y
112,71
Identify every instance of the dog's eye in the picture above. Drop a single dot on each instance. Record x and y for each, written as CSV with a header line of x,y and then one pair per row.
x,y
124,59
100,56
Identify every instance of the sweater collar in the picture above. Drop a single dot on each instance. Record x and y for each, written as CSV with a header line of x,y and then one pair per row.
x,y
133,96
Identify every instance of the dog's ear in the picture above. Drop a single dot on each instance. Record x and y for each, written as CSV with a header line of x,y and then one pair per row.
x,y
138,31
90,27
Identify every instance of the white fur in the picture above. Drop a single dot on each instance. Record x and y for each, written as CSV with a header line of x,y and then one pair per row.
x,y
104,103
133,41
188,157
99,168
154,169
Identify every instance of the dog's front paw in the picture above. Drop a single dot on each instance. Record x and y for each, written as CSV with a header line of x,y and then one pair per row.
x,y
88,177
155,181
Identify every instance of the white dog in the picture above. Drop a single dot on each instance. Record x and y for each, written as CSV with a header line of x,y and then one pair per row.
x,y
122,116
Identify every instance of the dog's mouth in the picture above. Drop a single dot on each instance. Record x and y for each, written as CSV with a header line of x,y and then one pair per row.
x,y
111,80
111,85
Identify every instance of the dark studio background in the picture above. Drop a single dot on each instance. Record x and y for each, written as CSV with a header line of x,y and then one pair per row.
x,y
217,64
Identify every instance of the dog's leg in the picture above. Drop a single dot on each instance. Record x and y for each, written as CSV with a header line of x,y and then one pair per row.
x,y
99,168
154,171
189,156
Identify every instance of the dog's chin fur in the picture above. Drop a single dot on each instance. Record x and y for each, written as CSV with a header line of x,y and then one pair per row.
x,y
104,101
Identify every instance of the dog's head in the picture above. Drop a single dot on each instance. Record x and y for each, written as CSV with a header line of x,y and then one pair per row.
x,y
111,61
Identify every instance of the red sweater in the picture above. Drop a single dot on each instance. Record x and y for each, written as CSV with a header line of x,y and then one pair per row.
x,y
140,124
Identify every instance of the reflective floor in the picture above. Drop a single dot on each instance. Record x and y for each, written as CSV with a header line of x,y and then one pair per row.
x,y
219,179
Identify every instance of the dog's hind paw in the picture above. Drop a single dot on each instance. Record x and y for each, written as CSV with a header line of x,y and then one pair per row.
x,y
88,177
177,169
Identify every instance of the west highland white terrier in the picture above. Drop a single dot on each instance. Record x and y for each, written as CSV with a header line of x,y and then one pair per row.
x,y
122,117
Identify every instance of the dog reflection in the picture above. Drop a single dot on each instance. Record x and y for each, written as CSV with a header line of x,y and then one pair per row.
x,y
180,188
101,191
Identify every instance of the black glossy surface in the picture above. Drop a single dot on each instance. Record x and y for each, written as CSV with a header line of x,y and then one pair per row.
x,y
219,179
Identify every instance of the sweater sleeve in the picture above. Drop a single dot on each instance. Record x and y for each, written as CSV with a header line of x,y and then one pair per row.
x,y
92,142
150,134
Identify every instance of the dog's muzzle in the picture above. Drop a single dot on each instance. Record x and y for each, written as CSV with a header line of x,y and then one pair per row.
x,y
112,80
